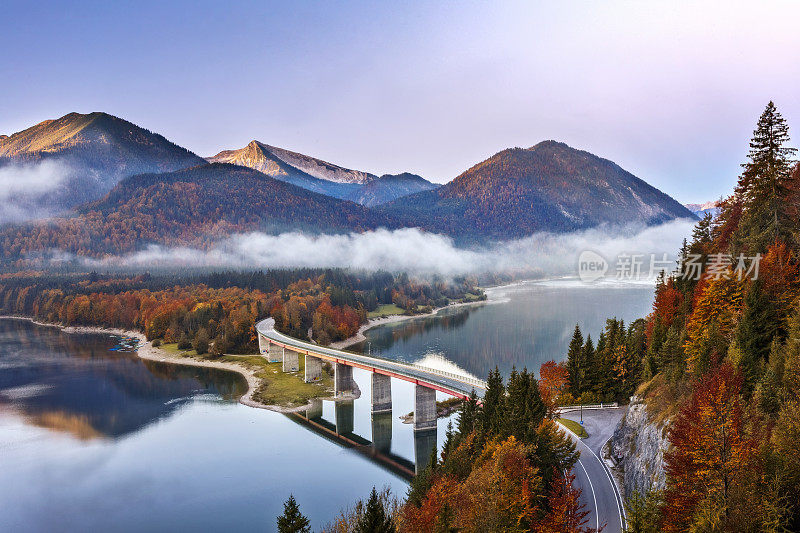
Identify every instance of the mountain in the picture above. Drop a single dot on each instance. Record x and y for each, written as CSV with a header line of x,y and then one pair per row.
x,y
548,187
390,187
321,169
84,156
323,177
700,210
274,163
189,207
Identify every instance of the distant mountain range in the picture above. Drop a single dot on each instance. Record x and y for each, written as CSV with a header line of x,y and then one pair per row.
x,y
323,177
129,187
700,210
548,187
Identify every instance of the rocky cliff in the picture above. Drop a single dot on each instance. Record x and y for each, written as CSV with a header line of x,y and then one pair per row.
x,y
638,447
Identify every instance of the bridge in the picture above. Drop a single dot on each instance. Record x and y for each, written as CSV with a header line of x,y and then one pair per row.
x,y
277,347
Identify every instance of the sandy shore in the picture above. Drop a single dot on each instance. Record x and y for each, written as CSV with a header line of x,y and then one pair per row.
x,y
149,352
374,322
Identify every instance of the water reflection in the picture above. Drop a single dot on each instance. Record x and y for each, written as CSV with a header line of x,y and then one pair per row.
x,y
74,384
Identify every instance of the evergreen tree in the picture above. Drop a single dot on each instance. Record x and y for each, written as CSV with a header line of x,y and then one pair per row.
x,y
574,362
764,185
587,358
493,400
445,520
467,418
755,333
292,520
375,518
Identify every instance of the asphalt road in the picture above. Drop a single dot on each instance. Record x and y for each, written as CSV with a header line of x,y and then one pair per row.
x,y
598,492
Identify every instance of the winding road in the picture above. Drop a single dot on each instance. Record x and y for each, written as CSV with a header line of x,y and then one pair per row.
x,y
599,493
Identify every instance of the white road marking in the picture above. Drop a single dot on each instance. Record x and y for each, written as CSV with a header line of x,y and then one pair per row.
x,y
623,516
591,486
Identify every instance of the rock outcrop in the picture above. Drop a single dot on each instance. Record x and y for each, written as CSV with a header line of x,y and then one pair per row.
x,y
638,447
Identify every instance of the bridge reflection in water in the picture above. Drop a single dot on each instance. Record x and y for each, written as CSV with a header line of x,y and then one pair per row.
x,y
425,382
377,449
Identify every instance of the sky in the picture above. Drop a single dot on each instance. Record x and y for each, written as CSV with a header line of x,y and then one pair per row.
x,y
670,91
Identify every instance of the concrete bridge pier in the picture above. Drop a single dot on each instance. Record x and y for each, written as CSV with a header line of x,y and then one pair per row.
x,y
263,345
313,369
343,379
381,393
345,417
315,410
382,431
424,408
275,353
291,360
424,444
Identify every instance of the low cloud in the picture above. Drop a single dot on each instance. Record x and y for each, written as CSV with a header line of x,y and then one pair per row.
x,y
411,250
25,188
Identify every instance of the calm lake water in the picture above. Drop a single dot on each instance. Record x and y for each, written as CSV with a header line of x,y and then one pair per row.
x,y
92,439
522,325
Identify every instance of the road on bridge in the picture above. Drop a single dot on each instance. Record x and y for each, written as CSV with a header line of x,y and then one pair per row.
x,y
599,493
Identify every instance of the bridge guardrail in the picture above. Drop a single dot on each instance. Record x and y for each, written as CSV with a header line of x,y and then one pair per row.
x,y
588,406
466,379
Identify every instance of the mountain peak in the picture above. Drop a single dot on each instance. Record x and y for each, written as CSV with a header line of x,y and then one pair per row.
x,y
548,187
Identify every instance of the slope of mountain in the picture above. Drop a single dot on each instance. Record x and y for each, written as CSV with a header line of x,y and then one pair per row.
x,y
321,169
191,207
548,187
265,158
93,152
390,187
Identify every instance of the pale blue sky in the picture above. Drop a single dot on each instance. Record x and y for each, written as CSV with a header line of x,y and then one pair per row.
x,y
670,91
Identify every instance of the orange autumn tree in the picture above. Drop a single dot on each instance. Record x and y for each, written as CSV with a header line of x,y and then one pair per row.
x,y
712,461
503,492
718,305
553,382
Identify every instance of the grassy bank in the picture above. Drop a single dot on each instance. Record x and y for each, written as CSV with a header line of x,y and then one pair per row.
x,y
573,426
386,310
286,389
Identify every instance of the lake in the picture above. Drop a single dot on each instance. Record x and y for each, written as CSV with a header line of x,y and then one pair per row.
x,y
93,439
521,325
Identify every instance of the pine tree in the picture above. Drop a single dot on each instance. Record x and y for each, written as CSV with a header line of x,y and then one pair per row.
x,y
764,185
492,404
292,520
444,522
755,333
468,415
574,362
375,519
587,358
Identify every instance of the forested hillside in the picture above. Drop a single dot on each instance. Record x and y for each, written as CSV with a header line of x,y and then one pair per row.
x,y
719,358
188,207
222,308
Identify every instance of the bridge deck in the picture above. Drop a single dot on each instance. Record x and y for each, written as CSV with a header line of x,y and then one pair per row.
x,y
453,384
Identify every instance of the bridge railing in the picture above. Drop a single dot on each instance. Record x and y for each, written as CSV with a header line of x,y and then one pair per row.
x,y
588,406
460,377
